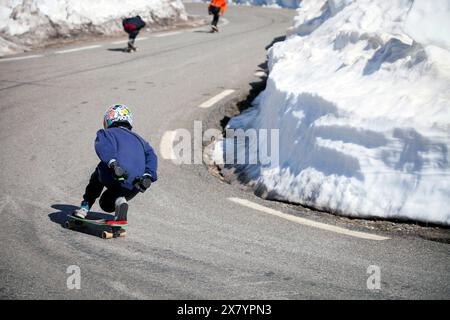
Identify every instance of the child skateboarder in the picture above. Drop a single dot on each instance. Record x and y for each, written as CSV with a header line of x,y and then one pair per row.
x,y
132,26
216,8
127,165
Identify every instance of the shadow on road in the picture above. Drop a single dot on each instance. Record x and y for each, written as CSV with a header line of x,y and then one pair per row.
x,y
118,49
256,88
202,31
275,40
60,217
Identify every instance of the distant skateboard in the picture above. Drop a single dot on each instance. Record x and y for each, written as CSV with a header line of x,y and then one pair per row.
x,y
214,29
133,49
114,228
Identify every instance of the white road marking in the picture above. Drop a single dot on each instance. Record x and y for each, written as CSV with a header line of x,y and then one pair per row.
x,y
224,22
78,49
166,145
307,222
120,42
260,74
159,35
21,58
98,46
126,41
216,99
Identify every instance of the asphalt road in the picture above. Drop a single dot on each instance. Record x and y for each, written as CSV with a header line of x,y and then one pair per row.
x,y
186,239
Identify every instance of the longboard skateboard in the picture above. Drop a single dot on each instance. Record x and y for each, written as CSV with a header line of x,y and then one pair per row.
x,y
131,50
114,229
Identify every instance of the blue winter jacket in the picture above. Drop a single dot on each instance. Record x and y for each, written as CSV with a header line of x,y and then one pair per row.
x,y
133,153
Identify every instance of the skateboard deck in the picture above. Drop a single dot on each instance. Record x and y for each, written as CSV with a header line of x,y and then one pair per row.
x,y
114,229
131,50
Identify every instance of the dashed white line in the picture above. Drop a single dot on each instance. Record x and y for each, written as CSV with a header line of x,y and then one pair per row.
x,y
119,42
78,49
21,58
126,41
215,99
159,35
306,222
224,22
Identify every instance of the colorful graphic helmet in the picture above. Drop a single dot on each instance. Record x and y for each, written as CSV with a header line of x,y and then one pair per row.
x,y
117,114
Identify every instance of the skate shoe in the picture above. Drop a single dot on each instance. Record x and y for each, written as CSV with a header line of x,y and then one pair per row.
x,y
83,211
131,48
121,209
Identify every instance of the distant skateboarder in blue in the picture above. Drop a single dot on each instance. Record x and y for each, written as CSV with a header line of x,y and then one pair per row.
x,y
128,165
132,26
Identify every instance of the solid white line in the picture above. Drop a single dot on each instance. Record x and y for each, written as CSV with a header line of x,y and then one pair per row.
x,y
159,35
216,99
21,58
307,222
166,145
78,49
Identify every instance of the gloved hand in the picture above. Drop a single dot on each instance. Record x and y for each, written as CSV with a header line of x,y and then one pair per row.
x,y
143,183
118,172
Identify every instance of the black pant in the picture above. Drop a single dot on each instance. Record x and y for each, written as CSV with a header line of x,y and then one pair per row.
x,y
131,37
108,198
215,12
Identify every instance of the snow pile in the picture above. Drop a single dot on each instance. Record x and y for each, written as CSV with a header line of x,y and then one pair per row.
x,y
29,23
265,3
360,92
270,3
428,23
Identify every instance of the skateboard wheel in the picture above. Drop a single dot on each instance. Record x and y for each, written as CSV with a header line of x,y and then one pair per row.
x,y
68,225
107,235
123,233
110,235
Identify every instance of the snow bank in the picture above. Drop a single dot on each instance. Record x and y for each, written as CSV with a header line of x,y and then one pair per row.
x,y
428,22
360,94
265,3
270,3
29,23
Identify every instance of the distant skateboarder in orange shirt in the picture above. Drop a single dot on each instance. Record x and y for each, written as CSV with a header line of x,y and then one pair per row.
x,y
216,8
